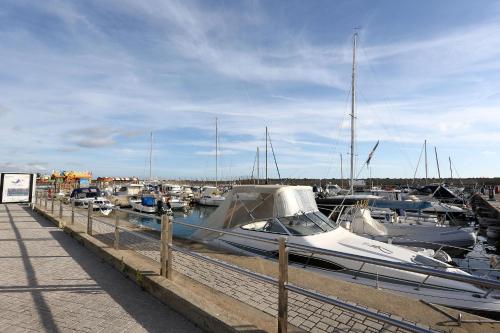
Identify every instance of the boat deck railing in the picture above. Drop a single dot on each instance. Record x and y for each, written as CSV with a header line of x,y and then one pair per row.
x,y
147,243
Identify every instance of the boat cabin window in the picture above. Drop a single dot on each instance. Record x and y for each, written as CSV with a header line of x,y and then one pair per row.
x,y
271,226
307,224
423,260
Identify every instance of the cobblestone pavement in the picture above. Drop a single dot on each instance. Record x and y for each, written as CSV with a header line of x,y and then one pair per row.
x,y
49,283
305,313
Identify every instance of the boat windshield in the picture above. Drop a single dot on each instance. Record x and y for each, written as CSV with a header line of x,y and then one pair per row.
x,y
307,224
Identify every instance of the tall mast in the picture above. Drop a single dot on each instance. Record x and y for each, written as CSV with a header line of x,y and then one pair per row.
x,y
150,155
216,152
266,155
451,170
341,172
353,108
437,162
258,166
426,172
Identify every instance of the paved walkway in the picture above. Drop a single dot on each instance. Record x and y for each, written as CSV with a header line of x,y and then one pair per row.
x,y
304,312
49,283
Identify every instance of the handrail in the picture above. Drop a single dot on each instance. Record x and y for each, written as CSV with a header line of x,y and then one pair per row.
x,y
150,216
357,309
308,293
230,233
412,268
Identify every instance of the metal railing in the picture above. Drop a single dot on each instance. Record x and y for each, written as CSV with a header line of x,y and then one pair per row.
x,y
441,246
166,248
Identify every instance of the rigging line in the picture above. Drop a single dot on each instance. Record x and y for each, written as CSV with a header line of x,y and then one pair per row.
x,y
456,172
338,133
387,131
385,100
274,156
253,167
418,164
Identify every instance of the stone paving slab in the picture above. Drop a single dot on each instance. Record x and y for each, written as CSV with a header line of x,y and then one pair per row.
x,y
49,283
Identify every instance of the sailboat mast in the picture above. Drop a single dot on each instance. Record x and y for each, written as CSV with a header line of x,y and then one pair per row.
x,y
266,156
437,162
426,172
150,155
451,170
216,152
341,172
353,109
258,166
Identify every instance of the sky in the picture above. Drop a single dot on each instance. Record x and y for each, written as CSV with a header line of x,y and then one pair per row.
x,y
84,83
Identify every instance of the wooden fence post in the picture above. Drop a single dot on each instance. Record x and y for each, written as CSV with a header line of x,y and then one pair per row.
x,y
117,231
282,282
52,205
60,209
89,218
170,231
163,246
72,211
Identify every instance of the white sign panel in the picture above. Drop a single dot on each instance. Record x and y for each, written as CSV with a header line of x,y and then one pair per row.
x,y
16,187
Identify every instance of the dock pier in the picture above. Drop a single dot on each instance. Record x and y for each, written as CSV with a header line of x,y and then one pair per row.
x,y
199,296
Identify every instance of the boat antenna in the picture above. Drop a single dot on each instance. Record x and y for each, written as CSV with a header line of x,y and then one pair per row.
x,y
274,156
216,151
266,157
150,155
353,108
437,162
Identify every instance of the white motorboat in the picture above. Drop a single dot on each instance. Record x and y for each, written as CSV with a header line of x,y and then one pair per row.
x,y
453,240
186,192
103,205
270,211
210,197
129,190
144,204
172,189
178,203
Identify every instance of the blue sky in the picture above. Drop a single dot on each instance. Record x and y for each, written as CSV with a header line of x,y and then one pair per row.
x,y
84,82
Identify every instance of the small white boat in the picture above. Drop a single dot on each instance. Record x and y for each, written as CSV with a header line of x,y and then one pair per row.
x,y
453,240
177,203
103,205
144,204
211,197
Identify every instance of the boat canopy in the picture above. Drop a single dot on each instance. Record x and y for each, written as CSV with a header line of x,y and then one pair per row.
x,y
248,203
85,192
363,223
148,201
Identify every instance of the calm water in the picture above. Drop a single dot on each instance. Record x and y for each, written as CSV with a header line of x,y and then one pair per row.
x,y
195,215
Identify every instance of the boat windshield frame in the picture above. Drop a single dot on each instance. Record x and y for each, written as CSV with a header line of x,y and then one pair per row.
x,y
300,224
307,223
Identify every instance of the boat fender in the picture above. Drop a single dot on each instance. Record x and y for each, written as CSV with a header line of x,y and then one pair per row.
x,y
495,262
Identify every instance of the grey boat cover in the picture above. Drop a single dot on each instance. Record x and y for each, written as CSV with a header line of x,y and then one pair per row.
x,y
248,203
